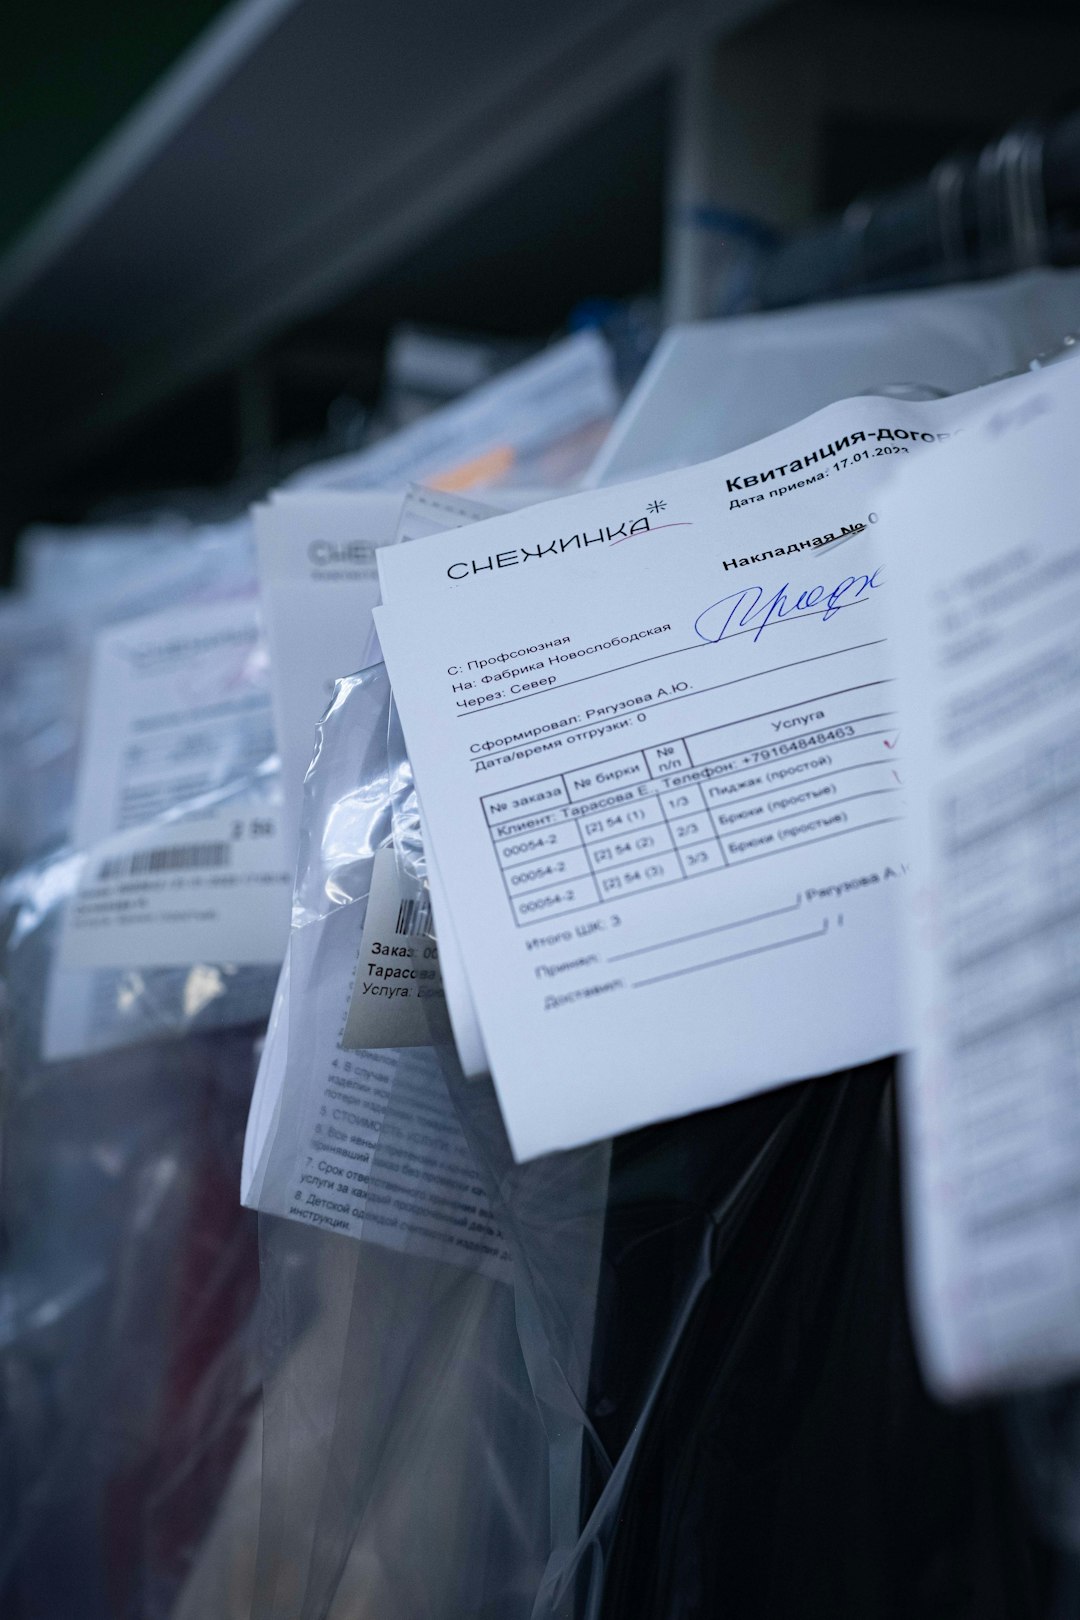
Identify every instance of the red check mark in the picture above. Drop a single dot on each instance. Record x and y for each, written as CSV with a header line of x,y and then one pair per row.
x,y
894,742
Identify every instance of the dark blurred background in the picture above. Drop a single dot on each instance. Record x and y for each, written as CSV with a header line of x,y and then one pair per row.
x,y
211,217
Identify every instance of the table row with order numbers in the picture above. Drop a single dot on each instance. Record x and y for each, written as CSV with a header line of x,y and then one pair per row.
x,y
670,819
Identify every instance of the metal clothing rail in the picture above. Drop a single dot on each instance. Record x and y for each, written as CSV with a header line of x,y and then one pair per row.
x,y
1013,205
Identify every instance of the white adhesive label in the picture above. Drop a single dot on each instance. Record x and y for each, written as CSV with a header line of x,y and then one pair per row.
x,y
398,997
204,889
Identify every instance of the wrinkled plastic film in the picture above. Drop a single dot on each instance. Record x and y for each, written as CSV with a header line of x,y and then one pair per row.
x,y
752,1382
407,824
407,1470
475,1415
37,733
403,1469
127,1346
553,1212
123,1006
128,1350
736,1372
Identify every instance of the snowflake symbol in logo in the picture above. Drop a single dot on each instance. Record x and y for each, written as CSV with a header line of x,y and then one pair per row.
x,y
656,506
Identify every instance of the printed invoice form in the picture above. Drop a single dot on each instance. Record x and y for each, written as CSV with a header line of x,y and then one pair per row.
x,y
654,737
991,682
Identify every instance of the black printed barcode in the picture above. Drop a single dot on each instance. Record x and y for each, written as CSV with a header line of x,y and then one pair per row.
x,y
414,916
174,858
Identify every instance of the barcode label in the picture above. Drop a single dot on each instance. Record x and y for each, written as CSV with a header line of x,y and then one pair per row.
x,y
174,858
414,917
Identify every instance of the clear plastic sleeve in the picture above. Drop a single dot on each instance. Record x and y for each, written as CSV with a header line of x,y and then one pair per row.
x,y
407,1466
129,1371
98,1009
128,1351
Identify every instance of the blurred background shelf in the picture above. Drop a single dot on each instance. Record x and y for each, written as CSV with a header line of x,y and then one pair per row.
x,y
335,163
224,270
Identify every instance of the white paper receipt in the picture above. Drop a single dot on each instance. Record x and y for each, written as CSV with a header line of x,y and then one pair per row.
x,y
985,620
656,748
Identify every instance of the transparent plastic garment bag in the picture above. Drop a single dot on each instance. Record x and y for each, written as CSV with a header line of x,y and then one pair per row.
x,y
757,1436
128,1272
711,1402
407,1469
697,1393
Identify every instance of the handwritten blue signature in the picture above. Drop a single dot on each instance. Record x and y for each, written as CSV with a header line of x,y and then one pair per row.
x,y
749,609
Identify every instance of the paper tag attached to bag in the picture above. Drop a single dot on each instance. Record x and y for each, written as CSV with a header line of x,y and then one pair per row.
x,y
398,998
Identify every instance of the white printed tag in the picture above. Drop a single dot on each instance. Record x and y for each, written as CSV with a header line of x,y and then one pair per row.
x,y
365,1143
398,997
178,713
211,888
